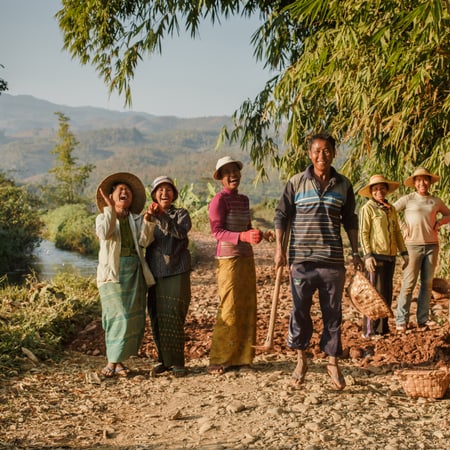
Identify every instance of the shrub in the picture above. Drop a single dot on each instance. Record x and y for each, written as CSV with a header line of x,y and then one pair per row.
x,y
72,227
20,225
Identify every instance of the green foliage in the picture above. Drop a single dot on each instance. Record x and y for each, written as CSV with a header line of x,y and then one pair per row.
x,y
72,178
72,227
19,225
43,316
114,36
443,267
375,74
197,204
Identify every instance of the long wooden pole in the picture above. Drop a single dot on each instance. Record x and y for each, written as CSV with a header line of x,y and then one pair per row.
x,y
268,343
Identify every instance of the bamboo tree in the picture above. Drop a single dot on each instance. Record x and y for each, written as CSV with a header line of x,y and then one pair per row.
x,y
71,177
374,73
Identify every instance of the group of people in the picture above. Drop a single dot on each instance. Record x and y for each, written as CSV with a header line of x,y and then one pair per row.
x,y
313,206
416,239
144,260
144,264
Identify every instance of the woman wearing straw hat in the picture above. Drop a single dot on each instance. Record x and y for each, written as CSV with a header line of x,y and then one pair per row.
x,y
234,334
122,273
170,261
423,214
381,238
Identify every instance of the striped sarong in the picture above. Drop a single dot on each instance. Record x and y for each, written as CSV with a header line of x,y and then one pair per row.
x,y
123,310
235,331
168,304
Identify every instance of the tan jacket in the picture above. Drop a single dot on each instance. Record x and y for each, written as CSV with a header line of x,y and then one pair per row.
x,y
108,231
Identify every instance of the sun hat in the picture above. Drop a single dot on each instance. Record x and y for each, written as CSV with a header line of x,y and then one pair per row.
x,y
376,179
164,179
135,184
224,161
421,171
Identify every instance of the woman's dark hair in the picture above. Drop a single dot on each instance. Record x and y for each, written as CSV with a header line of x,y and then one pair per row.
x,y
115,184
372,185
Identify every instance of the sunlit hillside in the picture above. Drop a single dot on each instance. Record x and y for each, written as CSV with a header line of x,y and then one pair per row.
x,y
141,143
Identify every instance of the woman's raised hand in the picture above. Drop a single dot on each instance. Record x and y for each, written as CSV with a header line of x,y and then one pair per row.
x,y
152,210
107,198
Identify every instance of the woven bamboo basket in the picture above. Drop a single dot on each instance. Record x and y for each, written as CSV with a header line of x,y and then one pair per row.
x,y
440,285
366,299
428,383
440,288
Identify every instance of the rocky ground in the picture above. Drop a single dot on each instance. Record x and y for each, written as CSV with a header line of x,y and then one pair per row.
x,y
66,404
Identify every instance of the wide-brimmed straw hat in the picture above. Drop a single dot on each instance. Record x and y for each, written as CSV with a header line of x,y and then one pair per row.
x,y
224,161
135,184
421,171
164,179
376,179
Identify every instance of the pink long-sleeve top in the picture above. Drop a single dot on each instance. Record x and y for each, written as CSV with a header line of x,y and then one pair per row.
x,y
229,214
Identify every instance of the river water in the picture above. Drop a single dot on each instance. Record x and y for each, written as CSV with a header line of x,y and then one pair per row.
x,y
51,260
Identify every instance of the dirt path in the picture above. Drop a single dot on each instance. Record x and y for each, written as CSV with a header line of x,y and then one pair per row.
x,y
67,405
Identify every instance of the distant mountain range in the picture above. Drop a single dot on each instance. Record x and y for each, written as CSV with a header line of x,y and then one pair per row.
x,y
141,143
21,113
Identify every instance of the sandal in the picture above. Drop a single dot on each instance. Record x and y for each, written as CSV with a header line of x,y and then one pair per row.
x,y
338,380
216,370
122,371
179,372
108,372
297,380
428,325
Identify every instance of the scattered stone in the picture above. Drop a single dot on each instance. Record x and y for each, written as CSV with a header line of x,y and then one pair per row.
x,y
235,407
108,432
92,378
207,426
176,415
274,411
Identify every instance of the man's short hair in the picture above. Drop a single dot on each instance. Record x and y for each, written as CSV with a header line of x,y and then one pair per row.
x,y
323,136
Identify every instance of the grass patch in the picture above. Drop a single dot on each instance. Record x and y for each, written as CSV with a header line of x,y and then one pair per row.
x,y
43,316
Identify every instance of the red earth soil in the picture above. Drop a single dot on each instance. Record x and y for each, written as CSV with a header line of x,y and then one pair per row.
x,y
428,348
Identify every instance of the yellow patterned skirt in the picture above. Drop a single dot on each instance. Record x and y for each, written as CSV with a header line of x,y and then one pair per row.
x,y
235,331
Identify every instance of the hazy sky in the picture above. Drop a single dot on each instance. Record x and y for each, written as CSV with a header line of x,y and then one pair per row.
x,y
212,75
